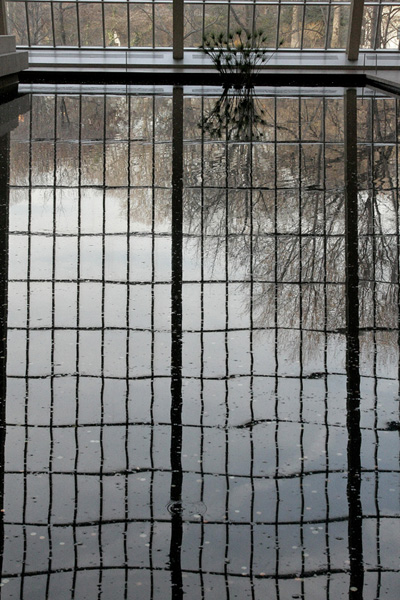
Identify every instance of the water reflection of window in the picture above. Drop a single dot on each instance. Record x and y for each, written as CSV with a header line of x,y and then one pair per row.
x,y
263,376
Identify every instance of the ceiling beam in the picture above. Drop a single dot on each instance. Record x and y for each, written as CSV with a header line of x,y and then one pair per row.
x,y
354,33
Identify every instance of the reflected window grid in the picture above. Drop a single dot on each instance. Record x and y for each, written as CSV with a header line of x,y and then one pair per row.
x,y
115,446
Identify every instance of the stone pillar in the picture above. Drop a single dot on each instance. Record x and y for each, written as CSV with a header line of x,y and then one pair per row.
x,y
3,18
178,20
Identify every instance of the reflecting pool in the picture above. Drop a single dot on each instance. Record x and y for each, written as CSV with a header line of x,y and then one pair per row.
x,y
199,355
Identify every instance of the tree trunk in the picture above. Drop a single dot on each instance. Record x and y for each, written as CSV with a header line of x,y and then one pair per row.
x,y
336,30
296,33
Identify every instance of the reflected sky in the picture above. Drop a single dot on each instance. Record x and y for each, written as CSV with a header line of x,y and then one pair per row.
x,y
201,361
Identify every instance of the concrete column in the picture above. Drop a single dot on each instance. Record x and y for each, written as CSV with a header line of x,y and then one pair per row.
x,y
177,16
354,33
3,18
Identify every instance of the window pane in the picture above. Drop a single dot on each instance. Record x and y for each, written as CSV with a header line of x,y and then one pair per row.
x,y
315,27
338,26
266,19
116,21
91,25
242,17
163,25
65,24
290,26
40,29
389,24
216,18
141,25
16,16
369,27
193,25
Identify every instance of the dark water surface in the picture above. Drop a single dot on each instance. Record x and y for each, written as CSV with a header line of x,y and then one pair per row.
x,y
199,358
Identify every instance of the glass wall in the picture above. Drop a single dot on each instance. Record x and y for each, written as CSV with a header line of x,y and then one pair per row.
x,y
148,24
299,25
91,24
381,25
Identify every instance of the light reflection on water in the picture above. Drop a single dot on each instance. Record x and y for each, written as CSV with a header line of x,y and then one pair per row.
x,y
234,442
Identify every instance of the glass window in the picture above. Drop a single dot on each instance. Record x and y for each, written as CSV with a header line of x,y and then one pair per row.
x,y
193,25
338,26
65,24
216,18
315,22
163,25
16,17
91,24
291,26
266,19
116,24
40,24
141,20
389,25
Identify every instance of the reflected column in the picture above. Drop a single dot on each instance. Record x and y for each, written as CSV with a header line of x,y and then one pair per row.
x,y
4,219
355,521
176,346
9,115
